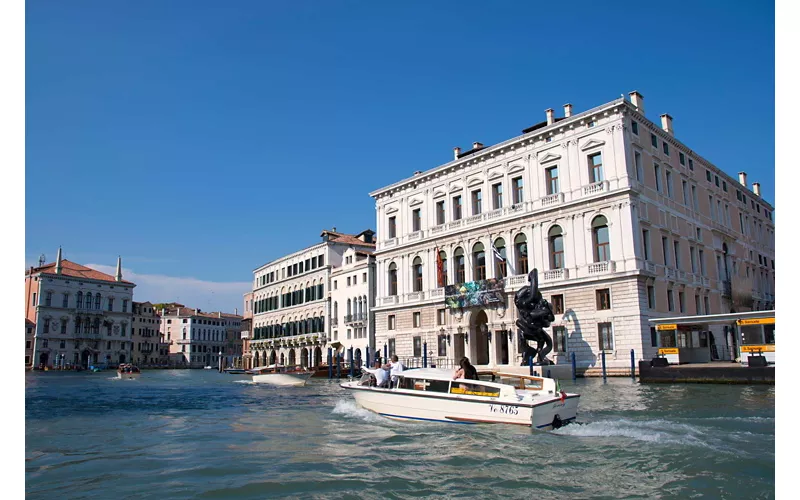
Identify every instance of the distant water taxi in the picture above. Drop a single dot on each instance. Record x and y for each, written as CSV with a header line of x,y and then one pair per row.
x,y
431,394
281,375
128,371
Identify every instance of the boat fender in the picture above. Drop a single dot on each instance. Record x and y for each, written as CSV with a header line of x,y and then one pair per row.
x,y
557,423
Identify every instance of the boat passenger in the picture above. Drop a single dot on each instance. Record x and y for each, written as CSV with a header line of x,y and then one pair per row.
x,y
375,376
466,371
396,368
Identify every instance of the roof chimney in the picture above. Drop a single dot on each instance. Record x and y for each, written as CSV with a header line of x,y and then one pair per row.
x,y
118,276
637,100
567,110
757,189
477,145
334,229
549,112
236,311
666,124
456,152
58,261
743,179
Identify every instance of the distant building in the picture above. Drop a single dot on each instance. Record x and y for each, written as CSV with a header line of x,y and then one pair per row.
x,y
246,330
352,298
146,337
29,334
196,338
81,316
291,301
232,353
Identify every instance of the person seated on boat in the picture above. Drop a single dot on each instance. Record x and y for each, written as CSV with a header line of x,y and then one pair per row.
x,y
395,368
466,371
375,376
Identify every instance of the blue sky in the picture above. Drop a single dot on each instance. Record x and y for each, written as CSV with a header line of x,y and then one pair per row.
x,y
201,139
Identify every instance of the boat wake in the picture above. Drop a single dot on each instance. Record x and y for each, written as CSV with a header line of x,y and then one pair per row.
x,y
248,382
351,409
659,431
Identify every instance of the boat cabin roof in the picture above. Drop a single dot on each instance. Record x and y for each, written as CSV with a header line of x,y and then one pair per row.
x,y
523,382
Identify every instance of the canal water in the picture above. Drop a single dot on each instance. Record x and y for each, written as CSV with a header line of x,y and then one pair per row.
x,y
201,434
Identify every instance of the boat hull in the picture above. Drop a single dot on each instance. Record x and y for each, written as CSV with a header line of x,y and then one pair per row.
x,y
129,376
283,379
401,405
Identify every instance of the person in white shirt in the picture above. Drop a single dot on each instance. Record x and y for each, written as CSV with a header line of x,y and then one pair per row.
x,y
381,377
396,368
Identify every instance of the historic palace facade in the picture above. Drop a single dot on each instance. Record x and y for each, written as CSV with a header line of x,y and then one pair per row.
x,y
623,222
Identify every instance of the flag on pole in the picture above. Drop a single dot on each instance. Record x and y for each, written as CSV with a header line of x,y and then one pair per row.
x,y
502,259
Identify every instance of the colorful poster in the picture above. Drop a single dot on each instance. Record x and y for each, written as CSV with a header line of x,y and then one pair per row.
x,y
475,293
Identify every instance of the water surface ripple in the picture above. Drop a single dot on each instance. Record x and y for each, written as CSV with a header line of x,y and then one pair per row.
x,y
200,434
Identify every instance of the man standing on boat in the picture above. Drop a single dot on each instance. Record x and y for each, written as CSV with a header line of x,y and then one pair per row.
x,y
396,368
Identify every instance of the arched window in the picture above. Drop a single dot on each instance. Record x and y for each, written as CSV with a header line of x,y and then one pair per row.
x,y
89,300
521,251
78,325
458,259
417,274
600,239
392,279
349,311
500,262
79,300
556,243
478,262
97,301
335,309
441,270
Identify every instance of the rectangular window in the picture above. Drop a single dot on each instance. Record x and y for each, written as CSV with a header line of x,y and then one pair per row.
x,y
517,194
637,159
691,164
702,262
681,302
677,245
697,305
665,249
654,140
741,223
670,301
738,195
725,186
646,244
348,281
457,208
706,305
635,128
440,316
124,305
560,339
651,297
716,180
653,337
392,227
47,326
417,319
603,299
364,277
551,175
417,347
416,220
33,302
442,351
558,304
693,259
711,208
392,351
666,147
391,323
685,188
694,198
476,202
440,212
596,167
497,196
320,260
708,175
65,301
605,337
657,171
669,184
682,158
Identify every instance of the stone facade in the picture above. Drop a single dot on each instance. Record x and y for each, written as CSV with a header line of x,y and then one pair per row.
x,y
622,221
352,298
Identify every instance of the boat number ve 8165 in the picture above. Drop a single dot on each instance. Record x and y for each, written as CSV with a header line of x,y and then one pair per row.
x,y
508,410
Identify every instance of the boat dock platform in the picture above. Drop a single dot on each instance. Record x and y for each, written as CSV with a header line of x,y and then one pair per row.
x,y
715,372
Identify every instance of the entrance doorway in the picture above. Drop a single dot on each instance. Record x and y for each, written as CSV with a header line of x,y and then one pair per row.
x,y
43,358
481,339
304,358
502,347
317,356
458,346
85,356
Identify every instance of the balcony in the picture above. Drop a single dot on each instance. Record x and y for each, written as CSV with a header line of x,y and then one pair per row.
x,y
183,341
670,273
414,296
597,187
650,267
725,287
389,243
436,293
393,299
415,236
334,322
354,318
602,267
515,280
89,310
245,335
437,229
553,199
556,274
706,282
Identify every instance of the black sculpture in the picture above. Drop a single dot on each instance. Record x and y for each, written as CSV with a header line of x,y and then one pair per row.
x,y
535,314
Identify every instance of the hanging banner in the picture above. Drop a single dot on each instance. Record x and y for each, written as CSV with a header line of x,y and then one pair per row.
x,y
475,293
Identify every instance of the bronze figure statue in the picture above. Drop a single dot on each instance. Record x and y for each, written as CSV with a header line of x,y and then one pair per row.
x,y
535,314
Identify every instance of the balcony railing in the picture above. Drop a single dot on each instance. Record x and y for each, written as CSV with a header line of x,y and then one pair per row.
x,y
393,299
354,318
553,199
515,280
556,274
415,235
597,187
89,310
334,322
602,267
650,267
436,292
414,296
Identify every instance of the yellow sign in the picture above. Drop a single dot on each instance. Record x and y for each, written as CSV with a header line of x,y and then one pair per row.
x,y
670,326
758,348
757,321
668,350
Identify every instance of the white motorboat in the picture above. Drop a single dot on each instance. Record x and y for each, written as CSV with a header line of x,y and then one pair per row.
x,y
128,371
432,394
281,375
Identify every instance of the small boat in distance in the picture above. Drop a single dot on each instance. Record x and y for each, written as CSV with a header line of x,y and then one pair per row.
x,y
235,371
207,368
295,376
128,371
431,394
